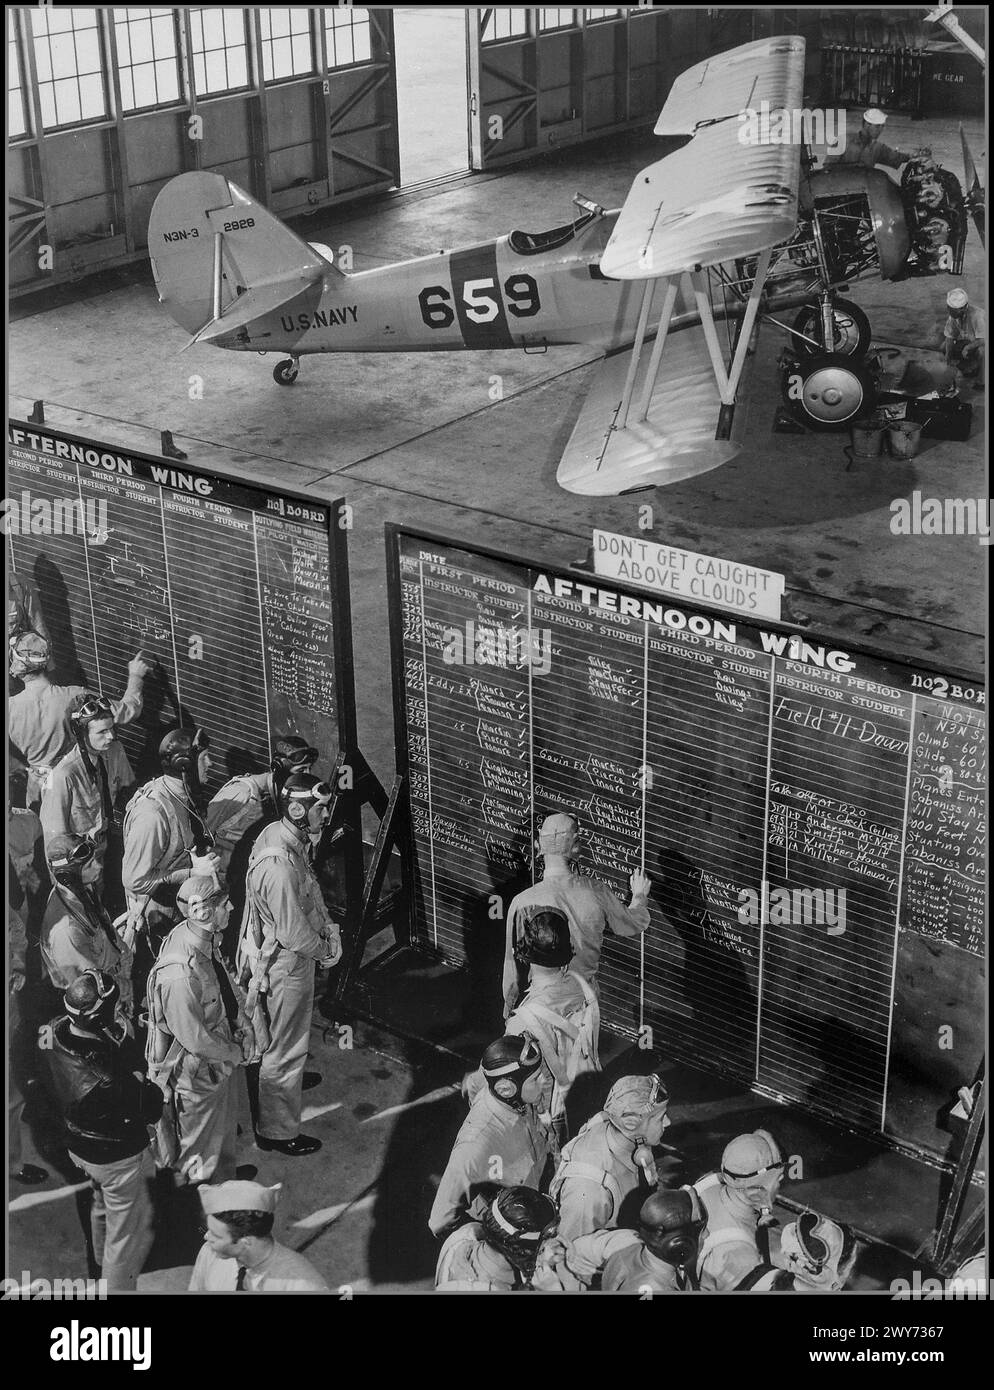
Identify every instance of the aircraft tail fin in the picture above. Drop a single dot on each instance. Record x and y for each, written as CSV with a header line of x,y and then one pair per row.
x,y
212,244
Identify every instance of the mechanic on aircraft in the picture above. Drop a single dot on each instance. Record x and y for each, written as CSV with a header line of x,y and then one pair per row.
x,y
867,148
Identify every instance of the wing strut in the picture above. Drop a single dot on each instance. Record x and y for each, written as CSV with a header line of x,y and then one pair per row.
x,y
728,380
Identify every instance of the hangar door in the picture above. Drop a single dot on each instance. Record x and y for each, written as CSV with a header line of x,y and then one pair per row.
x,y
540,79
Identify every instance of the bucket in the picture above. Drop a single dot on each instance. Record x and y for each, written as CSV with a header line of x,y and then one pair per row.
x,y
903,438
867,439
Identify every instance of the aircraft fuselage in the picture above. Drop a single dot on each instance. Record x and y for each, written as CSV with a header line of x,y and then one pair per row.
x,y
487,296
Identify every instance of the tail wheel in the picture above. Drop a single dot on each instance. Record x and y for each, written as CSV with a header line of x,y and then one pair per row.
x,y
285,372
829,391
850,329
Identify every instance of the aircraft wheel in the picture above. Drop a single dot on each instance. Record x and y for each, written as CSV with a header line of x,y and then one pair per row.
x,y
851,331
829,391
285,372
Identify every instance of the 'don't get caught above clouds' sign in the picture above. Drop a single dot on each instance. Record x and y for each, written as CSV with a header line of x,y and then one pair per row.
x,y
668,569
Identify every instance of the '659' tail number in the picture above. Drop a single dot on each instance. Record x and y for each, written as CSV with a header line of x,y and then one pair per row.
x,y
481,301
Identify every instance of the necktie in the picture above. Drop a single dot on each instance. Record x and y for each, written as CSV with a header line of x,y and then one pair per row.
x,y
107,804
240,1281
227,993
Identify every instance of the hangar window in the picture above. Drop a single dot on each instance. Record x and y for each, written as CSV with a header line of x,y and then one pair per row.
x,y
147,58
556,19
504,24
70,68
593,15
220,52
16,121
287,50
347,33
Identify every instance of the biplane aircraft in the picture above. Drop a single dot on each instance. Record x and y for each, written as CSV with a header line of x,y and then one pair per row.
x,y
712,239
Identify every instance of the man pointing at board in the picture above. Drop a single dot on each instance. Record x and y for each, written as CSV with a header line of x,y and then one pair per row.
x,y
589,905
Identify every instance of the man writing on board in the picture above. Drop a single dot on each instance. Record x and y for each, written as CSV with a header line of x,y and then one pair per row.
x,y
589,905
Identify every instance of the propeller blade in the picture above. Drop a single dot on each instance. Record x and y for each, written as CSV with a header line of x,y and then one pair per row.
x,y
969,168
974,190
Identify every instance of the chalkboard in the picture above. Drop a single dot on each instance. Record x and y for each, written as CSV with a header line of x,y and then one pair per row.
x,y
233,587
802,809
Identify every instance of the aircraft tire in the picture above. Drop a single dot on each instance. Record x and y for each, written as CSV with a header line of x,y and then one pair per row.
x,y
835,391
285,372
852,329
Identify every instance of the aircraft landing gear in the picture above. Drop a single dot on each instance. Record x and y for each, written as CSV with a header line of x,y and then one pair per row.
x,y
285,372
850,329
827,391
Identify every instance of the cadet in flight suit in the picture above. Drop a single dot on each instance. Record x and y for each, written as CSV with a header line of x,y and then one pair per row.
x,y
589,905
737,1199
246,801
611,1157
502,1139
36,715
76,932
197,1038
89,788
162,825
287,931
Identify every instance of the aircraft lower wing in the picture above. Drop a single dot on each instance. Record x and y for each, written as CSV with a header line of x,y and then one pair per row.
x,y
675,440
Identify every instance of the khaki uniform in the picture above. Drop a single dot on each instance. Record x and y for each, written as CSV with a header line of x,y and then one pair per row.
x,y
38,729
195,1057
496,1143
158,839
283,902
78,935
240,804
283,1270
76,803
591,909
466,1263
592,1181
728,1249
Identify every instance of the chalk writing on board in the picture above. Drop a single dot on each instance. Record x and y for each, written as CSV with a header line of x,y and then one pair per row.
x,y
207,574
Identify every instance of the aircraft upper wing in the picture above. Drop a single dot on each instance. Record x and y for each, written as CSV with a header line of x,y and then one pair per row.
x,y
736,81
725,194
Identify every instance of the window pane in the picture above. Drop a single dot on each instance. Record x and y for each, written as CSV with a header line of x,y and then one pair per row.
x,y
217,75
166,81
63,53
128,102
91,90
47,94
237,69
163,36
280,21
141,41
68,51
67,101
213,28
303,60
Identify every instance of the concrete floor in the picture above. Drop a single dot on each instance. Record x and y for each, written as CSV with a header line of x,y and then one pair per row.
x,y
416,439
